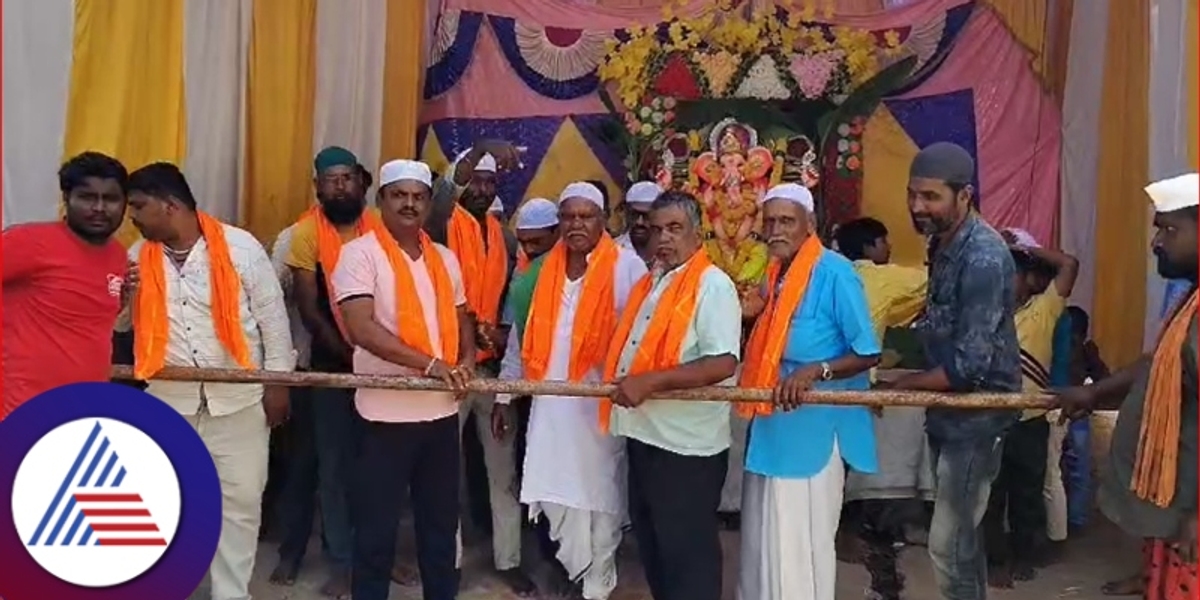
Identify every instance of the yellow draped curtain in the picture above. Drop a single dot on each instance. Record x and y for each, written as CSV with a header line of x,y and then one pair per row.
x,y
1122,209
126,95
403,76
280,97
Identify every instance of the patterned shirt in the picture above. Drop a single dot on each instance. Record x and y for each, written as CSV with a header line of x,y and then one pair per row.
x,y
969,329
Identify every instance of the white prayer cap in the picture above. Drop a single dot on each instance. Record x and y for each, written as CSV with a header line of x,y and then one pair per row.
x,y
642,192
792,192
585,190
1176,193
537,213
1024,238
497,206
404,169
487,162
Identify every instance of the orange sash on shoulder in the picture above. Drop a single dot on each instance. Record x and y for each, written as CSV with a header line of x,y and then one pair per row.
x,y
1156,468
669,324
410,319
764,350
484,269
150,305
595,317
329,248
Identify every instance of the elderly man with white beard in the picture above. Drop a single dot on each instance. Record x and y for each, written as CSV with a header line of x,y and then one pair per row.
x,y
574,476
814,332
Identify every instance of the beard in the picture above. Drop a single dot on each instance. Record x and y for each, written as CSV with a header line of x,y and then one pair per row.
x,y
1169,269
929,225
342,212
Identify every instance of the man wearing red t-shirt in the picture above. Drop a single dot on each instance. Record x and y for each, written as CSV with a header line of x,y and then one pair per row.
x,y
64,284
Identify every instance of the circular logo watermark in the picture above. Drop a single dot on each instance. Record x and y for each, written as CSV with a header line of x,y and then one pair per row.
x,y
114,495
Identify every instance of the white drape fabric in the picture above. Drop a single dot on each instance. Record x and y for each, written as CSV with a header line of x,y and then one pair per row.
x,y
1081,142
349,97
37,73
216,44
1168,126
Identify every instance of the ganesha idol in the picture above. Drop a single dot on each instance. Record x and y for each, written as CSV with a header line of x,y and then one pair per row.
x,y
729,179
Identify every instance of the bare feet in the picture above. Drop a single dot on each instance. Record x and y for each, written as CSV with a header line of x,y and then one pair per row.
x,y
1130,586
338,585
1000,577
285,573
517,581
406,575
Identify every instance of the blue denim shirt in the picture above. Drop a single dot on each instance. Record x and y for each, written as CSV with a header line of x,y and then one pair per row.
x,y
833,320
969,331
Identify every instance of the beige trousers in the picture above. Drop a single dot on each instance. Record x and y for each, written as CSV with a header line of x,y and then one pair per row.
x,y
238,445
500,459
1054,493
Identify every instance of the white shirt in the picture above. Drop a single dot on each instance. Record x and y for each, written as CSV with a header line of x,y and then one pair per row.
x,y
192,338
301,338
568,460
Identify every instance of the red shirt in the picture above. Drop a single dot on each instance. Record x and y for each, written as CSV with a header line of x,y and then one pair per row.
x,y
61,299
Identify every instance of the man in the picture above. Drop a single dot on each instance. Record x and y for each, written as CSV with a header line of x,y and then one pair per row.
x,y
536,226
635,214
970,342
1148,482
404,309
675,333
1017,496
64,283
209,298
487,252
574,474
814,333
330,423
886,503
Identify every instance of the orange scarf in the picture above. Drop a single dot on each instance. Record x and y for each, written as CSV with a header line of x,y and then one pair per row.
x,y
410,318
329,248
1156,467
764,350
150,305
595,317
663,340
522,260
484,269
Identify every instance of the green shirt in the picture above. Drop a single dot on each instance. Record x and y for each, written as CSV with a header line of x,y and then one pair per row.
x,y
682,426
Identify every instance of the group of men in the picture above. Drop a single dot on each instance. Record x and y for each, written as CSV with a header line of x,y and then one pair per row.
x,y
430,282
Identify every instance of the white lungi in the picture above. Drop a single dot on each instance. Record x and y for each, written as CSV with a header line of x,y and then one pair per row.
x,y
587,545
238,444
1054,492
788,531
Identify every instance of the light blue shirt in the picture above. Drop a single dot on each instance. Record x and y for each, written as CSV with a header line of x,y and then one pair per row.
x,y
683,426
833,321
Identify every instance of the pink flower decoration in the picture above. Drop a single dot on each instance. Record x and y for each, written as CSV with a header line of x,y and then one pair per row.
x,y
812,73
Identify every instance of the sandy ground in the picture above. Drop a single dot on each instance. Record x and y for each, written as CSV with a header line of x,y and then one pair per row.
x,y
1100,554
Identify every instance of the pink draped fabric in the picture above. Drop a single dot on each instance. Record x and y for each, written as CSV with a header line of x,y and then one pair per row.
x,y
1017,126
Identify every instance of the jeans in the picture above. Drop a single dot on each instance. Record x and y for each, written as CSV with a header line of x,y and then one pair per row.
x,y
1078,459
964,473
333,428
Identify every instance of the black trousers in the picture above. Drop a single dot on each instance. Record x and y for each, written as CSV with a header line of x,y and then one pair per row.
x,y
880,524
422,458
673,502
1017,494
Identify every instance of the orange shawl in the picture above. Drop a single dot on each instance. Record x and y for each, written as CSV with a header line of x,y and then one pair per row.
x,y
1156,467
329,248
410,318
663,340
764,350
522,261
595,317
484,269
150,305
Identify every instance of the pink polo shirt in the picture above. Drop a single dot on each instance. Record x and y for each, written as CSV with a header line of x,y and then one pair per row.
x,y
363,269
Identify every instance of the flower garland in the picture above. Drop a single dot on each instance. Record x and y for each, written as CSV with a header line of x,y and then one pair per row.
x,y
849,147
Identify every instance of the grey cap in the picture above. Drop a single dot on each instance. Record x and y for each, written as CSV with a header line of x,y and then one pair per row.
x,y
943,161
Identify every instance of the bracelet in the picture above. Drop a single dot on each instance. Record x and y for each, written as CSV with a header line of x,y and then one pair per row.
x,y
429,367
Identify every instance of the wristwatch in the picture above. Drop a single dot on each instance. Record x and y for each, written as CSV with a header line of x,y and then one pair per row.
x,y
826,371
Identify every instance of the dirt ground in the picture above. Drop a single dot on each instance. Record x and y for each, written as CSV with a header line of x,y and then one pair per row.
x,y
1101,553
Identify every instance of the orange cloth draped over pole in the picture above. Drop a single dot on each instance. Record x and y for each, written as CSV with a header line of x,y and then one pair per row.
x,y
281,86
126,95
403,78
1122,209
